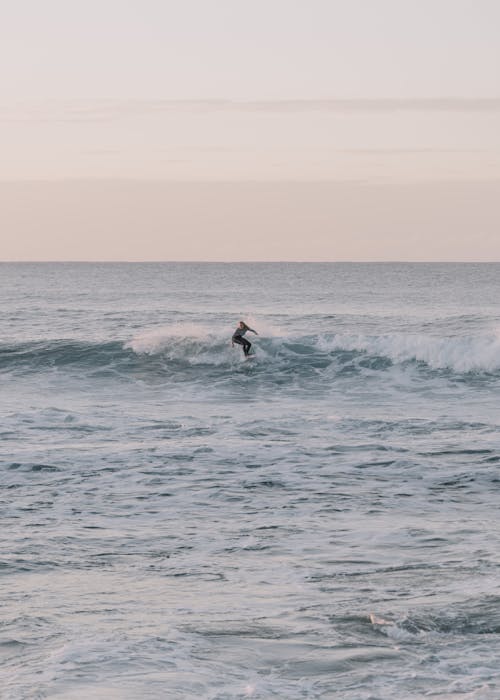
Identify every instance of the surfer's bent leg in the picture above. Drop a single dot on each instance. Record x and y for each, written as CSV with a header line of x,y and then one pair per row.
x,y
242,341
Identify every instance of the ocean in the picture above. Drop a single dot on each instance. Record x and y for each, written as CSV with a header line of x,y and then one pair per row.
x,y
320,522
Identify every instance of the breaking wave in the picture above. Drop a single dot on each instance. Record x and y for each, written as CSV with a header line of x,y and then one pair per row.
x,y
190,347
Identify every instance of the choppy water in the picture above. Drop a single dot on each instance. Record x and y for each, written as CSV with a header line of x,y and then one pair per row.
x,y
321,522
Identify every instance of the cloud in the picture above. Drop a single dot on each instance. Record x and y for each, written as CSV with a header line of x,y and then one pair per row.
x,y
405,151
110,109
370,105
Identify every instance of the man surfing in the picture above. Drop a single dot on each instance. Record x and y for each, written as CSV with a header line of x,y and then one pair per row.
x,y
240,340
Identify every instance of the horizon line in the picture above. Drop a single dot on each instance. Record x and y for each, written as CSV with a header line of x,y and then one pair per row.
x,y
243,181
249,262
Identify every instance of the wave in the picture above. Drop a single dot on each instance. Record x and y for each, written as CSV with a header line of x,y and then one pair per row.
x,y
478,353
184,347
37,355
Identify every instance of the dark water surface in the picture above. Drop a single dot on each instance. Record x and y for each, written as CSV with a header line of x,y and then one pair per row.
x,y
321,522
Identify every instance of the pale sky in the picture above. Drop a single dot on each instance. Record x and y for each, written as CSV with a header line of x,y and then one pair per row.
x,y
327,105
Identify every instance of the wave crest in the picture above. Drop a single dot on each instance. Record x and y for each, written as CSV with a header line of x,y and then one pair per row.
x,y
189,343
480,353
188,346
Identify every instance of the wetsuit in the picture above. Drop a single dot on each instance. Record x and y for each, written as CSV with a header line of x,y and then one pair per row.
x,y
240,340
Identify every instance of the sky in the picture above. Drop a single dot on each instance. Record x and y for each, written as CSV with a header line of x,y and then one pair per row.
x,y
270,130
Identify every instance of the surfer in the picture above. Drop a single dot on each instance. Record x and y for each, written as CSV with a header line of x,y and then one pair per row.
x,y
240,340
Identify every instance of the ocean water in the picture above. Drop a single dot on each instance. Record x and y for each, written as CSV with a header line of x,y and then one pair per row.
x,y
320,522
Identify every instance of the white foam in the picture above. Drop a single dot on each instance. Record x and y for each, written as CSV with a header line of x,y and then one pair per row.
x,y
189,342
151,342
462,354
